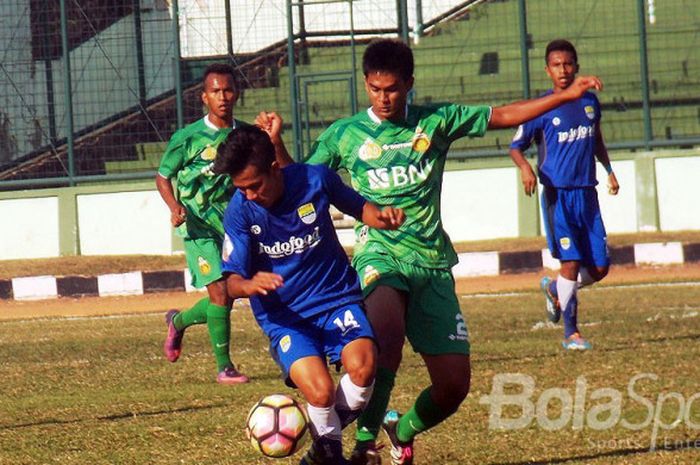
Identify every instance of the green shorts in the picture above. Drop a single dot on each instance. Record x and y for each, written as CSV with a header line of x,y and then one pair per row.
x,y
434,321
204,260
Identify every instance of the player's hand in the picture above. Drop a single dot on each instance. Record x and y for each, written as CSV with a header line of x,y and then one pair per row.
x,y
529,180
613,185
178,215
390,217
581,84
262,283
271,123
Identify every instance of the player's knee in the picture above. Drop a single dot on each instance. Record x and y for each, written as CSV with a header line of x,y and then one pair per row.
x,y
361,371
320,395
451,396
601,272
453,390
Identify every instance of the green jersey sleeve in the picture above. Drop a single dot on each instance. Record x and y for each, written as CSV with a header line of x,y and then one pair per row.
x,y
465,121
173,159
325,149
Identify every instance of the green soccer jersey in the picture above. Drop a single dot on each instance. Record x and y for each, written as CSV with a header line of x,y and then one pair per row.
x,y
189,159
401,165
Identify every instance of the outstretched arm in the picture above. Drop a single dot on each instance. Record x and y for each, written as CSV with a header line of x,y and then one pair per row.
x,y
263,282
385,218
271,123
519,112
527,175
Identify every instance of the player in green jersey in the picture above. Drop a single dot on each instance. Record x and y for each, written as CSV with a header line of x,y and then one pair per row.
x,y
395,154
197,211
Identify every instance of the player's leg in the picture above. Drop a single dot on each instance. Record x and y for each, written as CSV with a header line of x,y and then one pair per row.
x,y
567,286
219,326
445,350
550,211
385,303
350,338
385,310
176,321
596,259
592,248
298,350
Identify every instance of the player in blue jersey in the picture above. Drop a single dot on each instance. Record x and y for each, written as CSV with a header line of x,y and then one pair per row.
x,y
281,250
569,140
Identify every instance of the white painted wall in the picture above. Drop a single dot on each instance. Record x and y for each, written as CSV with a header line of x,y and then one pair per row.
x,y
476,204
124,223
480,204
678,193
619,211
29,228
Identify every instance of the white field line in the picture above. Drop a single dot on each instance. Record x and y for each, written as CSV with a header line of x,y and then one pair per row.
x,y
239,305
486,295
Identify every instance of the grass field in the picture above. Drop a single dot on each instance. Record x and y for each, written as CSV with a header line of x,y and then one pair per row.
x,y
98,390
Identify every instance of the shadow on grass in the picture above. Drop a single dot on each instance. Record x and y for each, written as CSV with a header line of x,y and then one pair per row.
x,y
677,445
113,417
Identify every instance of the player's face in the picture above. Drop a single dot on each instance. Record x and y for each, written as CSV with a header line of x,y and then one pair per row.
x,y
264,189
561,68
219,96
387,93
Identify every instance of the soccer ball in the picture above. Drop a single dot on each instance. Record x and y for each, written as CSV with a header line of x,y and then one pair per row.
x,y
276,426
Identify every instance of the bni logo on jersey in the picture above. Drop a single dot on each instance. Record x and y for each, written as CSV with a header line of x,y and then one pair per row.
x,y
307,213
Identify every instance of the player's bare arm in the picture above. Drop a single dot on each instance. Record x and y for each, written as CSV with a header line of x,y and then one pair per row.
x,y
177,211
527,175
260,284
517,113
601,154
385,218
271,123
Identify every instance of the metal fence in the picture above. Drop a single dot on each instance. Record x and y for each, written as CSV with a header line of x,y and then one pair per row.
x,y
91,90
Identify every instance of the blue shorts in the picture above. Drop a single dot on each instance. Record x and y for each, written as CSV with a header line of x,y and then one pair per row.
x,y
574,226
323,335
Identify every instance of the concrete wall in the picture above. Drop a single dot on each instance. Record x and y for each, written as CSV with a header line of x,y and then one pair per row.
x,y
482,200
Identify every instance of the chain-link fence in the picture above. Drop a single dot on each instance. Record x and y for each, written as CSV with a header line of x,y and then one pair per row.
x,y
91,90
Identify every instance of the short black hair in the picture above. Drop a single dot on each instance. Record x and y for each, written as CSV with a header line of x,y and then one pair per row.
x,y
388,55
560,45
219,68
243,147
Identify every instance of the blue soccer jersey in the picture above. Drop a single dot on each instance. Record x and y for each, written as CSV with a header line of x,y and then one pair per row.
x,y
565,139
295,239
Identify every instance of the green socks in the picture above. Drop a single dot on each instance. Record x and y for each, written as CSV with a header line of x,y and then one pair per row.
x,y
370,419
218,322
194,316
219,325
423,415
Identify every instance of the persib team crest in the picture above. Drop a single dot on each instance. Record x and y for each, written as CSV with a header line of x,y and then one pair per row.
x,y
285,343
565,243
590,112
307,213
